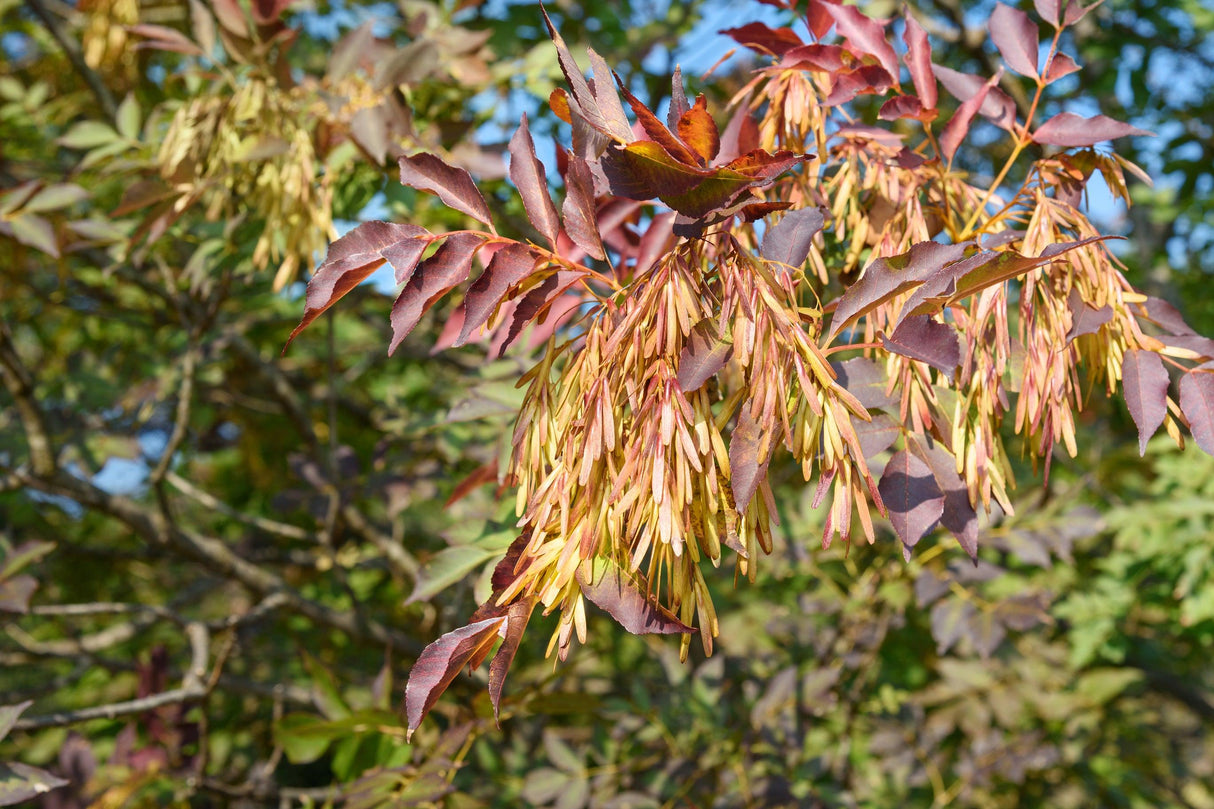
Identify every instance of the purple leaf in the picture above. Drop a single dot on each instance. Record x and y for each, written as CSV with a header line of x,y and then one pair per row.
x,y
959,516
926,340
749,455
583,97
580,210
536,302
1167,317
1009,264
454,186
517,617
528,175
900,107
997,106
508,266
761,38
1016,37
619,597
865,380
355,256
877,435
1197,404
678,100
608,100
703,356
1049,10
864,34
1085,318
788,241
826,58
959,125
1070,130
1060,65
1144,384
440,662
912,497
449,266
919,61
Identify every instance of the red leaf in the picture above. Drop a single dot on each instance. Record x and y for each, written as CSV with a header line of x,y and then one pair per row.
x,y
865,35
877,435
910,493
1085,318
516,622
582,94
440,662
616,594
678,100
449,266
528,175
759,37
865,380
749,455
454,186
699,131
997,106
656,130
919,61
163,38
1144,384
1060,65
608,101
508,266
901,107
959,516
828,58
268,11
485,473
704,354
959,125
355,256
864,79
580,210
1016,37
1197,404
1070,130
536,302
788,241
926,340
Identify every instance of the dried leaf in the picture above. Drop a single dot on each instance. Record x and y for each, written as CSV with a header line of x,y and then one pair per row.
x,y
910,493
1016,37
517,618
788,241
1197,404
704,354
1071,130
509,266
440,662
614,592
449,266
1144,384
528,175
454,186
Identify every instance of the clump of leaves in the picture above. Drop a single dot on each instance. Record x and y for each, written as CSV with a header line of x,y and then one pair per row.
x,y
879,325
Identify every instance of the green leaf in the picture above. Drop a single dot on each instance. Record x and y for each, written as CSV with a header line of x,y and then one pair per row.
x,y
55,197
20,783
87,135
129,118
325,690
35,232
304,738
9,715
23,555
447,567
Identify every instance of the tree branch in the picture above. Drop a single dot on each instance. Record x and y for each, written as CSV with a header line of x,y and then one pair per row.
x,y
20,384
72,51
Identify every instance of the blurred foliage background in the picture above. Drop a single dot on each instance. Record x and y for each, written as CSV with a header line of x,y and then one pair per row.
x,y
217,563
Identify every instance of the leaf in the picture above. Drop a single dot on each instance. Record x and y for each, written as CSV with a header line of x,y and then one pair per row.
x,y
448,267
678,100
163,38
749,455
996,106
608,100
22,556
615,593
20,783
699,131
788,241
517,618
1071,130
580,209
9,714
1144,384
88,135
959,516
900,107
985,272
536,303
922,338
643,170
355,256
919,61
509,265
704,354
583,97
657,131
910,493
1167,317
1016,37
15,593
1060,65
1049,10
865,380
1085,318
876,435
203,27
528,175
325,692
55,197
128,118
950,619
864,35
35,232
445,568
1197,404
959,125
454,186
761,38
438,665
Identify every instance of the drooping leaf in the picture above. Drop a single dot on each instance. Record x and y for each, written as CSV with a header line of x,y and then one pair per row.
x,y
958,516
919,62
452,185
508,266
1016,37
528,175
910,493
764,39
449,266
1197,404
1085,318
699,131
1144,384
864,379
440,662
788,241
704,354
611,589
959,125
997,106
864,35
922,338
355,256
20,783
749,455
1071,130
580,210
517,618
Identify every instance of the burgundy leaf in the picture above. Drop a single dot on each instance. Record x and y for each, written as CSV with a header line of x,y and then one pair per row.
x,y
608,100
440,662
1016,37
1085,318
877,435
1049,10
788,241
1144,384
865,380
703,356
818,20
449,266
507,267
698,130
536,302
528,175
997,106
454,186
1070,130
926,340
580,210
1167,317
864,35
656,130
355,256
516,622
827,58
864,79
761,38
643,170
1060,65
749,455
912,497
678,100
583,97
959,516
1009,264
901,107
919,61
959,125
619,597
1197,404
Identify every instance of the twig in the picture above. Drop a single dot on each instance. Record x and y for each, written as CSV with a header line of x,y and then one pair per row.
x,y
281,529
72,51
20,384
181,423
